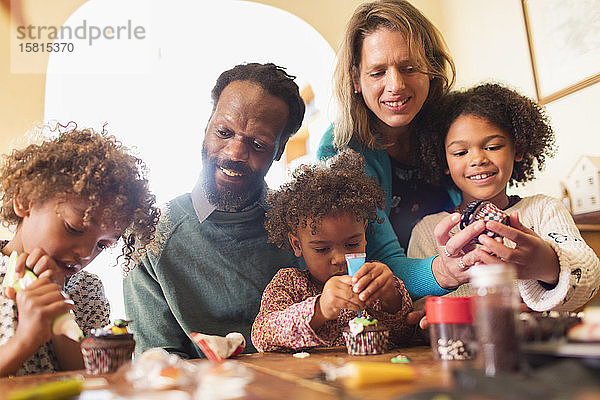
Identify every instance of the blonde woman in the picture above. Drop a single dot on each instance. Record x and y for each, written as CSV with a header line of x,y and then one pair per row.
x,y
392,66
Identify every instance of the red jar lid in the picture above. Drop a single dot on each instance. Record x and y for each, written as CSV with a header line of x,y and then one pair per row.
x,y
448,310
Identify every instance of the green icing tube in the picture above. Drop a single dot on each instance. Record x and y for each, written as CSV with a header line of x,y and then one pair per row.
x,y
64,324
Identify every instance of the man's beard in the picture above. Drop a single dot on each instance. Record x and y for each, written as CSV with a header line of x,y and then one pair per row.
x,y
230,199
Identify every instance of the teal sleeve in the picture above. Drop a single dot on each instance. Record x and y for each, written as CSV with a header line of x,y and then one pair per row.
x,y
153,323
382,242
417,275
326,149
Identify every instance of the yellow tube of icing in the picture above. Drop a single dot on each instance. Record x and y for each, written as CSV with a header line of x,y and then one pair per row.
x,y
64,324
60,389
359,374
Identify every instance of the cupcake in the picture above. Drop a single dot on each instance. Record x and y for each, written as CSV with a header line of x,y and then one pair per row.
x,y
363,337
106,349
483,210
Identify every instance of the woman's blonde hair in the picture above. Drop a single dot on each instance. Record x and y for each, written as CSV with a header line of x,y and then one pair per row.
x,y
426,47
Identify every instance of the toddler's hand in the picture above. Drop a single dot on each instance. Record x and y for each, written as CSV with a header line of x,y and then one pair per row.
x,y
38,305
374,280
337,295
417,314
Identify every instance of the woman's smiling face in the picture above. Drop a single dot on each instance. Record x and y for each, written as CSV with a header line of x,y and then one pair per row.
x,y
392,87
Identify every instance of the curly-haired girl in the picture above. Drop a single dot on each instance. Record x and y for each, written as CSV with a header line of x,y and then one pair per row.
x,y
322,214
70,197
490,137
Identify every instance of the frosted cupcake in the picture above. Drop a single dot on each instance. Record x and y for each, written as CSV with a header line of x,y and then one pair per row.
x,y
363,336
106,349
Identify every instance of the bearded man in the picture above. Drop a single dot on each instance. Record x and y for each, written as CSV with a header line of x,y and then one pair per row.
x,y
211,261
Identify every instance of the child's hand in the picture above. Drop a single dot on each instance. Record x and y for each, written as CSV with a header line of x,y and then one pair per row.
x,y
337,295
416,316
533,256
38,305
374,280
42,265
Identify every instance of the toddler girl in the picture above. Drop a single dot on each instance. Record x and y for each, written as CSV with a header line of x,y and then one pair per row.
x,y
70,197
491,137
322,214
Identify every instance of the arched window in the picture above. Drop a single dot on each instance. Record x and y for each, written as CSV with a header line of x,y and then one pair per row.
x,y
154,92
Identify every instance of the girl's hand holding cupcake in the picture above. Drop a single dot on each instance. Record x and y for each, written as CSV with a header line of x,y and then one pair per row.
x,y
533,256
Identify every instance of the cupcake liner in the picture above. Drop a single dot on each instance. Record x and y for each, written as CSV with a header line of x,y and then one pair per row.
x,y
366,342
99,359
485,211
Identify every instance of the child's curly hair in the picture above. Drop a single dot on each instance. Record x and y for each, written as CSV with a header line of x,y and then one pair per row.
x,y
92,166
517,115
315,191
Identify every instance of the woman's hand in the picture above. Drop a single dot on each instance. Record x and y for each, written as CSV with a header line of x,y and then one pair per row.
x,y
533,256
457,254
38,305
373,281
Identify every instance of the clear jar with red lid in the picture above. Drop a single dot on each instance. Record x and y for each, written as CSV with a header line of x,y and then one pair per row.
x,y
451,328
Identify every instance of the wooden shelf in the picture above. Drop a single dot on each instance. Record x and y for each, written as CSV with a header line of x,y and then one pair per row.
x,y
589,227
592,218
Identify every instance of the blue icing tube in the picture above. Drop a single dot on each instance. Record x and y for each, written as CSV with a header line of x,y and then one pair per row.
x,y
354,262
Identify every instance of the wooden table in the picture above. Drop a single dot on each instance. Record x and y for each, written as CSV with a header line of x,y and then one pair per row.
x,y
307,374
282,376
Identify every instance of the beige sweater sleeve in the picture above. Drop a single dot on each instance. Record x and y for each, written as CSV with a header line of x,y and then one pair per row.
x,y
422,242
579,275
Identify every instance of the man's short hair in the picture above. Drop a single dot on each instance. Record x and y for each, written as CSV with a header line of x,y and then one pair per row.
x,y
274,80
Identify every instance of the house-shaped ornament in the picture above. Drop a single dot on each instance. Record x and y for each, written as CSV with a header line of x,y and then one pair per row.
x,y
583,184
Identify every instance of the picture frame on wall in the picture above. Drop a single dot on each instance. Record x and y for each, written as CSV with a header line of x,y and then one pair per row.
x,y
564,45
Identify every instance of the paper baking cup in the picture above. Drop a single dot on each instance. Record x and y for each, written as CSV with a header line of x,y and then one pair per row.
x,y
372,342
102,360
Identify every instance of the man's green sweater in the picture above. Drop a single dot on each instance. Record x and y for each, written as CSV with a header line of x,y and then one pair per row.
x,y
205,277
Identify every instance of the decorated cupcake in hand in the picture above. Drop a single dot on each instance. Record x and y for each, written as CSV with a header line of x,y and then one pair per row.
x,y
483,210
363,336
106,349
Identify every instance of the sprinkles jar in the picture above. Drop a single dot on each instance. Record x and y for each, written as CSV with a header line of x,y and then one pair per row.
x,y
495,307
451,328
